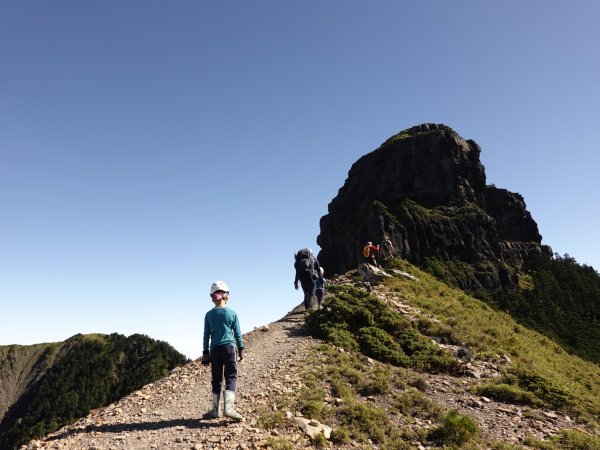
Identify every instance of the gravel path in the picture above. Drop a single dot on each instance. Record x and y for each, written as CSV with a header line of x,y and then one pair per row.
x,y
167,414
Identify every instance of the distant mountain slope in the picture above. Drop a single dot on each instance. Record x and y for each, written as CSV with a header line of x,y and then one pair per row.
x,y
20,367
48,385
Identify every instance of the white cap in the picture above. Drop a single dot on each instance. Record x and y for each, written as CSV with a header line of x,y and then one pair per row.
x,y
218,286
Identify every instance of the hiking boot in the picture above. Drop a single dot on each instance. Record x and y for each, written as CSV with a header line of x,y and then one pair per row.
x,y
215,412
229,406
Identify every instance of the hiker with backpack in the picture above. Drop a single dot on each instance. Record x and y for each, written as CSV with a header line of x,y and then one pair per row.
x,y
369,252
307,272
222,331
387,251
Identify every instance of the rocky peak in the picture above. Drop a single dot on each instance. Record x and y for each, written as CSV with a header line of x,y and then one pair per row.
x,y
423,194
429,163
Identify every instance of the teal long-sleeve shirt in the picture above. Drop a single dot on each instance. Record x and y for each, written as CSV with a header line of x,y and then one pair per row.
x,y
221,326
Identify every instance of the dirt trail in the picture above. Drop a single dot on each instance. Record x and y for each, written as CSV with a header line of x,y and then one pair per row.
x,y
168,413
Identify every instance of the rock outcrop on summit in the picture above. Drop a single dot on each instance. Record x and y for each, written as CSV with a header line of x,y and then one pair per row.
x,y
423,193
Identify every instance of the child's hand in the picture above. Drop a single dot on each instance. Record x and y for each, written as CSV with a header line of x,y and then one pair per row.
x,y
240,356
205,358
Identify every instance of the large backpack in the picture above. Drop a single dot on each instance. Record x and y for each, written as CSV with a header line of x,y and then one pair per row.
x,y
305,264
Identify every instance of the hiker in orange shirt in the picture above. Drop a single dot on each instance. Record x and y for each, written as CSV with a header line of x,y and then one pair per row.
x,y
369,252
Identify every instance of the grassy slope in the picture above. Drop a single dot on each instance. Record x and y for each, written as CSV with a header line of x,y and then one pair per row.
x,y
491,332
398,414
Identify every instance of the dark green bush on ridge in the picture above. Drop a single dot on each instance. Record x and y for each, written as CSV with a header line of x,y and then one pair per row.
x,y
380,345
455,429
354,319
508,394
543,389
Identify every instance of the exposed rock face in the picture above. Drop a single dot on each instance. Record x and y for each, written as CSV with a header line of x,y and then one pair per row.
x,y
422,194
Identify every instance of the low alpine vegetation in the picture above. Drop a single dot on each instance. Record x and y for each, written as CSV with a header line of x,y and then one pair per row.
x,y
541,372
355,320
455,430
567,440
337,384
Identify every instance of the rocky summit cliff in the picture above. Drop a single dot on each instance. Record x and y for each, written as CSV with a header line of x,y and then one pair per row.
x,y
423,195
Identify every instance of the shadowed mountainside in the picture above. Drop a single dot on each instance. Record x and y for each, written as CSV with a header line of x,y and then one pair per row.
x,y
45,386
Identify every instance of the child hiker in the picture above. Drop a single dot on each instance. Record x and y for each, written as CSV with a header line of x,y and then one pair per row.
x,y
320,287
222,330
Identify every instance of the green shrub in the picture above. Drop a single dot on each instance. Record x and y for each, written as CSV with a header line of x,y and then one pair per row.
x,y
416,404
397,444
508,394
268,419
376,383
319,441
313,409
340,435
432,359
431,328
350,374
455,429
504,446
279,444
577,440
341,388
539,386
532,442
311,402
339,337
364,422
417,381
378,344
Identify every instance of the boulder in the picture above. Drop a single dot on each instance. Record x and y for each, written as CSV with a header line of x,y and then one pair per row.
x,y
313,428
372,273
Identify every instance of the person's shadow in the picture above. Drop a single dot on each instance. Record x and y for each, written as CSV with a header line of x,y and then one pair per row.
x,y
144,426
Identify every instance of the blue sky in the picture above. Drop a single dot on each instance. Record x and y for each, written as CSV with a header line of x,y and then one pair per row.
x,y
148,148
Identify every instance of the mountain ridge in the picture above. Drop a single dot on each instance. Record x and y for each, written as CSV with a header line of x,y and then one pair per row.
x,y
22,365
287,389
45,386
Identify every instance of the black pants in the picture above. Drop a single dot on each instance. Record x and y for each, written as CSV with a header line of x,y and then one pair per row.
x,y
223,364
308,287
